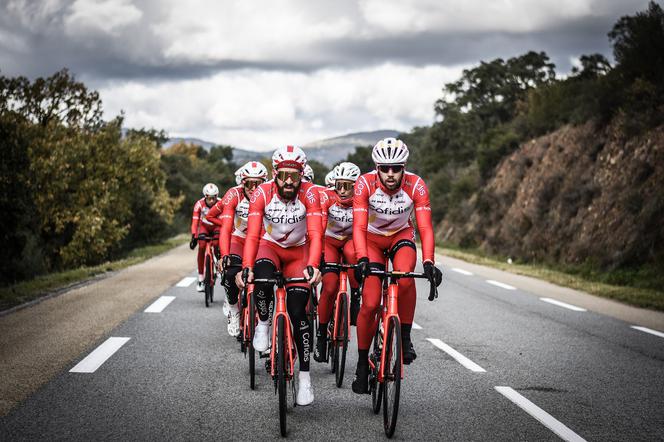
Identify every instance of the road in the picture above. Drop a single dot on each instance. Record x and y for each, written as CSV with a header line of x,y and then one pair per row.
x,y
524,369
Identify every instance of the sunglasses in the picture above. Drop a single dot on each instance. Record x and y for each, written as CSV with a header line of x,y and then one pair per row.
x,y
251,184
395,168
340,185
295,177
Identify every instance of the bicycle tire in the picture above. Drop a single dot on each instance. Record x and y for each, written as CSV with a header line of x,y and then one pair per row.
x,y
331,348
341,344
250,342
375,386
281,373
206,281
392,378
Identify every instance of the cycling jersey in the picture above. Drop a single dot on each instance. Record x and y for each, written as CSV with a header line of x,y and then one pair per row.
x,y
285,223
386,212
230,213
198,218
337,216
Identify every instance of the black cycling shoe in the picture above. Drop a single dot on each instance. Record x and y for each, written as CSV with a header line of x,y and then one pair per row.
x,y
361,382
354,307
409,354
320,352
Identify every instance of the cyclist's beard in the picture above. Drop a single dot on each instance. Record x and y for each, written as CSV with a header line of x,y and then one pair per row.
x,y
392,185
288,191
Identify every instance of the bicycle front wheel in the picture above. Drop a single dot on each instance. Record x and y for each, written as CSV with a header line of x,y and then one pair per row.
x,y
376,387
250,341
341,343
207,282
281,372
392,377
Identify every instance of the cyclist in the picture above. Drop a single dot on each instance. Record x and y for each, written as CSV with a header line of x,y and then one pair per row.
x,y
338,219
308,174
230,213
383,203
200,225
329,179
289,211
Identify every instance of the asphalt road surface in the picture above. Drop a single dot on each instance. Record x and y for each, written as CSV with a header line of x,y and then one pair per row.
x,y
495,363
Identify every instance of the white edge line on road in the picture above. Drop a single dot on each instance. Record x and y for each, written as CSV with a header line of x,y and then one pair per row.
x,y
160,304
462,271
500,284
648,330
563,304
186,282
100,354
416,326
461,359
542,416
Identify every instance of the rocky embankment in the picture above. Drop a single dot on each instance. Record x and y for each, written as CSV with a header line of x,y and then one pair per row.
x,y
577,194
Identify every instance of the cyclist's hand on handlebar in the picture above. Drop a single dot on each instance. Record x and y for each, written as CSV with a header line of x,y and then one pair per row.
x,y
312,274
435,277
362,269
193,242
244,278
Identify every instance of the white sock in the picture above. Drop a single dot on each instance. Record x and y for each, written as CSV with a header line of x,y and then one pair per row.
x,y
200,277
264,323
304,376
232,308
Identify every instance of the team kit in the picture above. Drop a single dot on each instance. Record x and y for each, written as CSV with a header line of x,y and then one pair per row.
x,y
277,229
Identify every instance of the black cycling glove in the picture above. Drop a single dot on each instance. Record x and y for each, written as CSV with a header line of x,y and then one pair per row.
x,y
362,269
193,242
433,273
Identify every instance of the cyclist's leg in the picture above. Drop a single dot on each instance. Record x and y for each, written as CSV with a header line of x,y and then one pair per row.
x,y
267,262
327,296
404,255
349,258
200,257
232,291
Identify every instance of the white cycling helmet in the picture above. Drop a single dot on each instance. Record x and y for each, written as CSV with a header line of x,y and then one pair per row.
x,y
289,156
347,171
253,169
210,189
238,177
329,178
308,174
390,151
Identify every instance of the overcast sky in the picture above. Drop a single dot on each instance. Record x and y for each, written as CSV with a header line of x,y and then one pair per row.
x,y
258,74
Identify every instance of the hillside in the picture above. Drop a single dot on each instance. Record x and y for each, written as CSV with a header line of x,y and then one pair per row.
x,y
579,194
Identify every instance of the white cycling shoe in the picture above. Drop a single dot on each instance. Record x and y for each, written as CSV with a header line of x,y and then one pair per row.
x,y
200,287
261,338
234,323
305,392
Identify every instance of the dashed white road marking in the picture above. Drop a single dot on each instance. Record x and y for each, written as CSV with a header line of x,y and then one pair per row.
x,y
461,359
416,326
186,282
462,271
646,330
160,304
563,304
542,416
100,354
500,284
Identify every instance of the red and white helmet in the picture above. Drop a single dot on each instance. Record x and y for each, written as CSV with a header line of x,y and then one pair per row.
x,y
329,178
308,174
347,171
210,189
238,177
289,156
253,169
390,151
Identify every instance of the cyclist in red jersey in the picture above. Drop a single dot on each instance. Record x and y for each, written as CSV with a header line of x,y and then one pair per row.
x,y
338,219
383,204
230,213
288,210
200,225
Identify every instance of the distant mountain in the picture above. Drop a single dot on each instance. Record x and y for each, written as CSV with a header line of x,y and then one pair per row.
x,y
333,150
329,151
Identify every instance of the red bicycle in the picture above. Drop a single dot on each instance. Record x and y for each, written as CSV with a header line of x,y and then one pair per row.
x,y
386,358
338,330
210,275
283,353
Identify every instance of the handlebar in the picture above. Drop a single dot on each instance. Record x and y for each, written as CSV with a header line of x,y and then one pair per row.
x,y
204,237
336,265
433,290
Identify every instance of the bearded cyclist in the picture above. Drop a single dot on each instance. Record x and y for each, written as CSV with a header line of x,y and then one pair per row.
x,y
338,219
383,203
231,215
200,226
288,210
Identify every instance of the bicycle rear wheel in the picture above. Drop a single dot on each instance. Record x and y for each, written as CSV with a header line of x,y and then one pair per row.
x,y
207,282
281,373
392,378
376,387
250,341
341,343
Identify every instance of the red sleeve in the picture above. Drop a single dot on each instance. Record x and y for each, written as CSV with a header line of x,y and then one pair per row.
x,y
254,224
324,205
361,216
227,211
423,217
195,218
314,233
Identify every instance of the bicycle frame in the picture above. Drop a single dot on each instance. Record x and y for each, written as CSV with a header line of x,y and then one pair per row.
x,y
280,310
343,288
